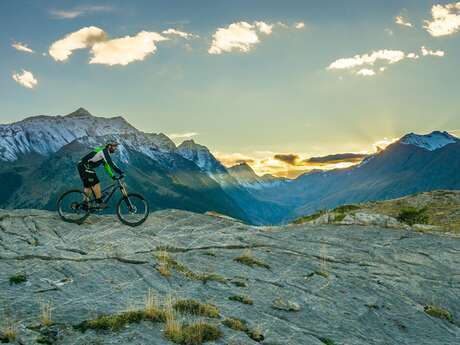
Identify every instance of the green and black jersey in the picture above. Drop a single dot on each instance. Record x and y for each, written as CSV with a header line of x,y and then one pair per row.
x,y
86,166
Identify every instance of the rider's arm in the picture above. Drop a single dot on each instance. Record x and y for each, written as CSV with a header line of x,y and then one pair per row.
x,y
109,165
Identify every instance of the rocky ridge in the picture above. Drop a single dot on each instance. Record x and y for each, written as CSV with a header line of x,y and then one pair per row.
x,y
307,284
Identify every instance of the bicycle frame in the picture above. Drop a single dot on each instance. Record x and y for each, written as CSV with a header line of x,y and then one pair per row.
x,y
119,184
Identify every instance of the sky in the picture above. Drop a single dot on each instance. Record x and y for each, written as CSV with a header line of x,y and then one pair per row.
x,y
273,83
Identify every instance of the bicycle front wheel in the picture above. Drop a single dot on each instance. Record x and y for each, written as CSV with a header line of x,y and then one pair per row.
x,y
71,207
133,209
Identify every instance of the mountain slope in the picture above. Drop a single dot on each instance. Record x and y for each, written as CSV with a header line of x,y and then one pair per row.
x,y
39,156
405,167
259,210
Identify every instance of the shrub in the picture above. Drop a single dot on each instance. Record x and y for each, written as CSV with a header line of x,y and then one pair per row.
x,y
346,208
18,279
413,216
241,299
327,341
309,218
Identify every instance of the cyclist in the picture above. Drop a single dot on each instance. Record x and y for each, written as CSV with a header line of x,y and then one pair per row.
x,y
86,166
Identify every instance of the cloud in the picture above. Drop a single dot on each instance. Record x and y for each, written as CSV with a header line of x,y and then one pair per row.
x,y
321,161
389,56
264,27
430,52
182,135
25,79
79,11
231,159
299,25
122,51
389,32
366,72
361,64
117,51
291,159
445,20
401,20
288,165
22,47
83,38
338,158
179,33
382,144
240,36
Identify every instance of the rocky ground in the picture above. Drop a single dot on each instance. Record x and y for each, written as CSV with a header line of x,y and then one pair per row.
x,y
436,211
308,284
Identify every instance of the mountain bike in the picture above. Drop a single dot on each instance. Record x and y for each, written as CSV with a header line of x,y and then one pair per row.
x,y
132,209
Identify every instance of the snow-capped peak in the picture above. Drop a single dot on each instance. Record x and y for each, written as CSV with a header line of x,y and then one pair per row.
x,y
47,134
431,142
201,156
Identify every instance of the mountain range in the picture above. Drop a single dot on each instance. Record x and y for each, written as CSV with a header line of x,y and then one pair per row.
x,y
38,158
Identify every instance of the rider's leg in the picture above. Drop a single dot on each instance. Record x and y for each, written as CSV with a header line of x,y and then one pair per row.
x,y
97,191
87,192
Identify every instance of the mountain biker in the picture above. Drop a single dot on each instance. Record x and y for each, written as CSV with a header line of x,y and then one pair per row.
x,y
86,166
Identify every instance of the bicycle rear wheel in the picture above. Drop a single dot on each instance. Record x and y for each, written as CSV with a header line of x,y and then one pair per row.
x,y
133,209
71,208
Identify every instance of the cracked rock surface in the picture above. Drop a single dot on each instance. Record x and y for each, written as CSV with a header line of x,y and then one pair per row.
x,y
355,285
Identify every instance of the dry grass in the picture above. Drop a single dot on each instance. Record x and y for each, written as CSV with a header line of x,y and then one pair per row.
x,y
256,334
192,307
173,327
246,258
235,324
195,333
199,332
46,309
167,263
9,331
152,309
241,299
164,270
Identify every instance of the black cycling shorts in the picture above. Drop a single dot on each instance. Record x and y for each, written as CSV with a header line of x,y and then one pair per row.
x,y
88,176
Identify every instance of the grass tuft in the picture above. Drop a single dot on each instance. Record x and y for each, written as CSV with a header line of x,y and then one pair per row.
x,y
322,273
190,306
167,263
256,334
248,259
235,324
239,283
199,332
327,341
9,332
18,279
46,309
241,299
438,312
